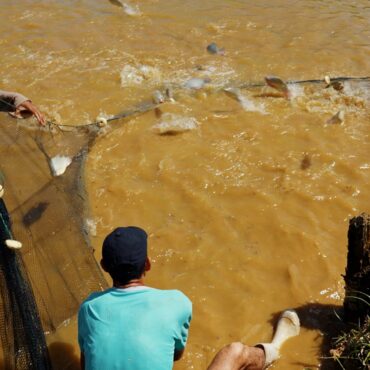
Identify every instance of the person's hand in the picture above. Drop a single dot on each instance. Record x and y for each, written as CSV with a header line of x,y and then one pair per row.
x,y
29,106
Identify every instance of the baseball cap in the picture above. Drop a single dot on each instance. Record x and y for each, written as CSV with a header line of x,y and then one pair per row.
x,y
127,247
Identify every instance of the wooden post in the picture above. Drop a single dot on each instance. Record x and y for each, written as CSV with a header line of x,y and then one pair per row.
x,y
357,278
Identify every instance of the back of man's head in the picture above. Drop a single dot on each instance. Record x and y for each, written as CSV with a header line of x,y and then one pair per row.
x,y
125,253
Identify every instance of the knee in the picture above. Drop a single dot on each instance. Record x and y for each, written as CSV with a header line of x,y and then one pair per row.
x,y
235,350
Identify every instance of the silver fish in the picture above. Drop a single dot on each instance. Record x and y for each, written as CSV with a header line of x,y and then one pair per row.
x,y
278,84
338,118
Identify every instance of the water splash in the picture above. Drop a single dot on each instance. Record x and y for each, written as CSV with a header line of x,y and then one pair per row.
x,y
295,91
136,76
131,9
251,106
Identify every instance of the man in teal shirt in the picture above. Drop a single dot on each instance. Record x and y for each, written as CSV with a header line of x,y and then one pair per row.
x,y
135,327
131,326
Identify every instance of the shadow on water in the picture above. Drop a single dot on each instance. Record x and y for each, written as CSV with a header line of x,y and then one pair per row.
x,y
34,213
63,356
327,320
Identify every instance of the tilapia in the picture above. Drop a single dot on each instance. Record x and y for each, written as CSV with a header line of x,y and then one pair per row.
x,y
169,94
117,3
233,93
337,119
336,85
278,84
128,9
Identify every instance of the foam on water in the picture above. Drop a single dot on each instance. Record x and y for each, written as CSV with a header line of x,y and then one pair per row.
x,y
196,83
250,105
90,226
295,91
137,75
173,124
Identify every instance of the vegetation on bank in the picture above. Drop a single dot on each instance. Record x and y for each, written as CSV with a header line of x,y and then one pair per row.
x,y
352,349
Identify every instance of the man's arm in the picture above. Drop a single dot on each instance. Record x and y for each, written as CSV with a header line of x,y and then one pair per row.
x,y
14,103
11,100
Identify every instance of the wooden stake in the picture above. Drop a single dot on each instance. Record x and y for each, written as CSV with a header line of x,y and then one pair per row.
x,y
357,278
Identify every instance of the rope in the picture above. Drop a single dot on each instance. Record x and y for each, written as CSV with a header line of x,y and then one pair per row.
x,y
314,81
146,107
5,225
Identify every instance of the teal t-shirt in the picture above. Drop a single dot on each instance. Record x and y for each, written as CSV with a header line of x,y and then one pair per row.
x,y
136,328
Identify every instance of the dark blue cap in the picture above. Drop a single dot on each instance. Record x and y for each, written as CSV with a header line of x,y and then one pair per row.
x,y
125,246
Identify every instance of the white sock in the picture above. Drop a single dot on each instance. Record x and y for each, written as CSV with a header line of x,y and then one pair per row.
x,y
288,326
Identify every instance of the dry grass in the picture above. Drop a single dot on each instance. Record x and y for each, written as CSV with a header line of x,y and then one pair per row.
x,y
352,348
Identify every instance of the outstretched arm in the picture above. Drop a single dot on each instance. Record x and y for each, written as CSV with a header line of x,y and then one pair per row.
x,y
16,104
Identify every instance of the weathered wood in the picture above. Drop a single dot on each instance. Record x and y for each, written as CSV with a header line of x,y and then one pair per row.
x,y
357,278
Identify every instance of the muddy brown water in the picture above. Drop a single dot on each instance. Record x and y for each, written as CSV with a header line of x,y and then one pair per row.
x,y
247,205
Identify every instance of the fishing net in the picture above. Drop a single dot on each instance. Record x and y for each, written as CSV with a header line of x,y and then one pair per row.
x,y
43,283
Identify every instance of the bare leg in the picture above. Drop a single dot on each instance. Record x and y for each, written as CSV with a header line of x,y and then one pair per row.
x,y
237,356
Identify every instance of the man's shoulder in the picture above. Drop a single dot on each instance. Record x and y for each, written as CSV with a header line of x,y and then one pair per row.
x,y
94,298
173,294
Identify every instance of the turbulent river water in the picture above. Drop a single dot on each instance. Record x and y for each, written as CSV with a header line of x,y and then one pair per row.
x,y
246,202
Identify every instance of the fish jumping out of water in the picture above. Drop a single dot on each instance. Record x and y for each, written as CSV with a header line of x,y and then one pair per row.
x,y
128,9
169,94
336,85
116,3
212,48
278,84
233,93
158,97
338,118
